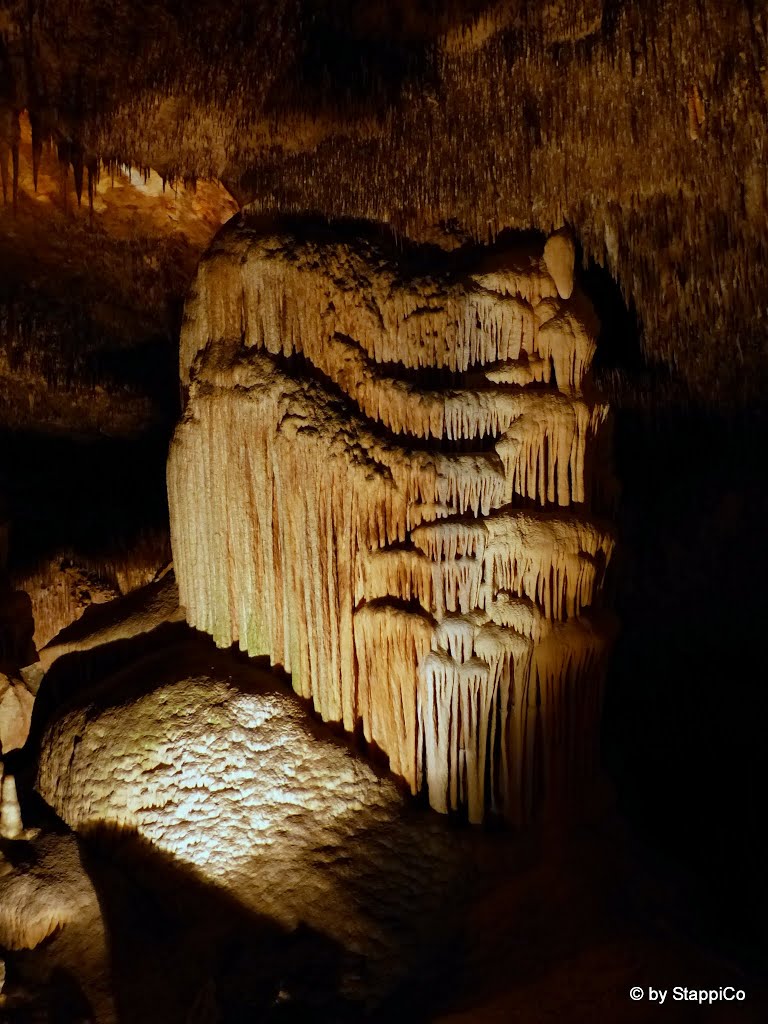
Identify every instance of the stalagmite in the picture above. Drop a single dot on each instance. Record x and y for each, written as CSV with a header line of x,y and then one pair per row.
x,y
383,480
11,825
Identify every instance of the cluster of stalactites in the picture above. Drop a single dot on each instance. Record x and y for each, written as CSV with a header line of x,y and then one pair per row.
x,y
85,168
348,311
78,169
420,557
649,134
554,562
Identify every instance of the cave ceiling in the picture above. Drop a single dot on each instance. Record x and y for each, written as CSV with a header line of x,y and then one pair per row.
x,y
640,125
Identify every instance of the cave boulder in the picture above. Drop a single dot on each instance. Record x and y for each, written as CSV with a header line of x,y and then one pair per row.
x,y
218,769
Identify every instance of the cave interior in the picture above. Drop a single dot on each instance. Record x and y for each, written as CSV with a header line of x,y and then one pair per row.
x,y
382,478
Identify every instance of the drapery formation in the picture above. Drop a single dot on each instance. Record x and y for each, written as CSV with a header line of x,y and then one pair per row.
x,y
384,480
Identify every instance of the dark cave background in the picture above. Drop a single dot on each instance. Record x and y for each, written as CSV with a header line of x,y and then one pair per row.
x,y
683,733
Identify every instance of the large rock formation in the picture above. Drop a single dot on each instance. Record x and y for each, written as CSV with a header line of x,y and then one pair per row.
x,y
247,866
383,480
226,780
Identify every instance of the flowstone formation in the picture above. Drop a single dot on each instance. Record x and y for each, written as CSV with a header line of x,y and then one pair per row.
x,y
239,798
384,480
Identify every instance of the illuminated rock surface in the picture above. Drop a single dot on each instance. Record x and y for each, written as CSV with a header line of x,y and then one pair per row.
x,y
11,823
384,480
15,713
641,125
221,770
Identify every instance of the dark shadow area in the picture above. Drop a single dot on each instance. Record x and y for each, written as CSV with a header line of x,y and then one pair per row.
x,y
59,997
338,65
95,498
179,948
65,342
686,700
684,720
17,627
618,344
682,731
182,949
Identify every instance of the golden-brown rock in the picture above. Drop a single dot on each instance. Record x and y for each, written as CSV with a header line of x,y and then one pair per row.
x,y
559,256
47,901
15,713
338,507
218,768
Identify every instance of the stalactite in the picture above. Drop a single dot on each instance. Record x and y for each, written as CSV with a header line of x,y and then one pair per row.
x,y
4,168
37,147
514,140
92,170
325,513
14,134
77,167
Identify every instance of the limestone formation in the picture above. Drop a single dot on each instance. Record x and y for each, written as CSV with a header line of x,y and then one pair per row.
x,y
384,480
559,256
218,769
11,825
48,902
60,590
141,611
16,702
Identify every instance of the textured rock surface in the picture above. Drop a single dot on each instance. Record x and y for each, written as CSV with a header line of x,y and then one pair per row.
x,y
383,480
11,823
141,611
221,769
47,900
15,713
641,123
59,593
